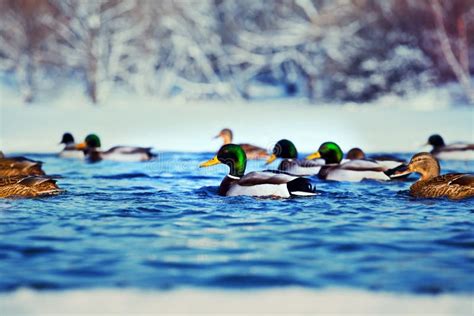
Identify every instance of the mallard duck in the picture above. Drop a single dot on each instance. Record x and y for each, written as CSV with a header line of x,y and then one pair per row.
x,y
30,186
70,148
458,151
433,185
91,148
390,164
351,170
291,164
252,151
260,184
19,166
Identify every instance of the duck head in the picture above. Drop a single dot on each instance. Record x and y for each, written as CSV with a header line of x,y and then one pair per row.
x,y
329,151
226,135
92,141
436,141
355,154
231,155
67,139
425,164
283,149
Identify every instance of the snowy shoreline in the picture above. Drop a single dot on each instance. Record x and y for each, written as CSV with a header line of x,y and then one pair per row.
x,y
282,301
389,125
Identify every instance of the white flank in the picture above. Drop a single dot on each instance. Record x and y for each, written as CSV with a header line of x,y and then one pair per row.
x,y
302,193
261,190
303,171
72,154
456,155
125,157
356,176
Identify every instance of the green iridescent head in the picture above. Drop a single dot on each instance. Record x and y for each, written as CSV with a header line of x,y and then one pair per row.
x,y
231,155
283,149
329,151
92,141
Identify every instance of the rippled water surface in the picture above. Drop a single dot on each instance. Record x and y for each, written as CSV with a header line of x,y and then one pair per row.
x,y
161,225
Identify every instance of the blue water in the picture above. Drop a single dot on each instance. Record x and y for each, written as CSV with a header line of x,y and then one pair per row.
x,y
161,225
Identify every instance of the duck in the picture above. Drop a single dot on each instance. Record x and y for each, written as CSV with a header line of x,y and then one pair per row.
x,y
91,147
253,152
431,184
349,170
29,186
19,166
389,163
290,164
256,184
70,149
457,151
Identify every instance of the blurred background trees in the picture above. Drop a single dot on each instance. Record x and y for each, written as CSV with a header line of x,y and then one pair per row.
x,y
324,50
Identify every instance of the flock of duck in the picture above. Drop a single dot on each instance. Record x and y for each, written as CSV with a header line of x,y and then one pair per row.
x,y
22,177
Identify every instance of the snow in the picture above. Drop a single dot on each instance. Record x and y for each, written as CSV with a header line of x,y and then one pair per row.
x,y
284,301
392,124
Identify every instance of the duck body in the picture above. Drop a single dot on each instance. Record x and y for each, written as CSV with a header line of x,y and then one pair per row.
x,y
71,153
91,147
350,170
431,184
251,151
291,164
257,184
30,186
454,186
301,167
458,151
454,152
121,153
387,163
266,184
70,150
254,152
20,166
353,171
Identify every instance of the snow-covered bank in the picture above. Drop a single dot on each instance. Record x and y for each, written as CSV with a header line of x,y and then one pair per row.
x,y
276,301
391,124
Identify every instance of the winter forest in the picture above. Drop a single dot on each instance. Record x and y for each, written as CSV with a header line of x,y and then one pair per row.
x,y
322,50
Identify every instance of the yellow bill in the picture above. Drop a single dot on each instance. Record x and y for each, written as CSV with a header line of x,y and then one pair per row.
x,y
210,162
271,159
315,155
81,146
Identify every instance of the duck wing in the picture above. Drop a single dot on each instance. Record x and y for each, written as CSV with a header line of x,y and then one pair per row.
x,y
464,180
265,177
20,166
457,147
362,165
29,186
128,150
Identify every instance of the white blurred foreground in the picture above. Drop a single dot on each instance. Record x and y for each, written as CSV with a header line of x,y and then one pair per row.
x,y
276,301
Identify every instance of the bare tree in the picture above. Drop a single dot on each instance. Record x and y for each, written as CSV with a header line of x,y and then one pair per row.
x,y
97,38
22,37
459,64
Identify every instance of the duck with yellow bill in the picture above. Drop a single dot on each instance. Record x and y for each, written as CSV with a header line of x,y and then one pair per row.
x,y
258,184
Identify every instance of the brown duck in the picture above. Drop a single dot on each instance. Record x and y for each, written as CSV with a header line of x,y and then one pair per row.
x,y
253,152
455,186
19,166
30,186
